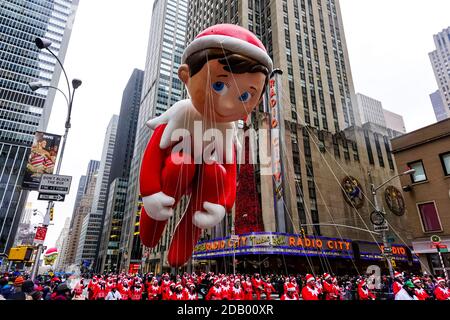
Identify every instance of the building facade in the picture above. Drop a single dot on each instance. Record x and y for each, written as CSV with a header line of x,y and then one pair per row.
x,y
64,255
427,196
439,60
82,207
371,110
92,224
61,244
161,89
120,171
23,111
438,106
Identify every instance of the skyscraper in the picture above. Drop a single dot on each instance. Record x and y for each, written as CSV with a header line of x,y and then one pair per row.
x,y
439,60
371,110
120,171
23,111
161,90
92,223
82,207
438,106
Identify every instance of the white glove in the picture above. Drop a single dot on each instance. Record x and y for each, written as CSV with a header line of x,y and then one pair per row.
x,y
211,218
159,206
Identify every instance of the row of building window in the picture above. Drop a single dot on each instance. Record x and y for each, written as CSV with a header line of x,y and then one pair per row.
x,y
420,174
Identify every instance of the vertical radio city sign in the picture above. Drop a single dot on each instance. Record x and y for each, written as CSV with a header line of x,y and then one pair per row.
x,y
276,137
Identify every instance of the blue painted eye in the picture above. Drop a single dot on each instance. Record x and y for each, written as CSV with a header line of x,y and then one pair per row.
x,y
219,87
245,97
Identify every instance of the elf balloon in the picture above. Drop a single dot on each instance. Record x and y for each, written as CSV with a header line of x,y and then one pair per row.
x,y
193,147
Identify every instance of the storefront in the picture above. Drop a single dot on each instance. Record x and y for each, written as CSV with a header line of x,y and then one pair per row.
x,y
288,253
429,256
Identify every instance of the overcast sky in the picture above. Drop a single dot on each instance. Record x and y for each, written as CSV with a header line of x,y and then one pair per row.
x,y
388,42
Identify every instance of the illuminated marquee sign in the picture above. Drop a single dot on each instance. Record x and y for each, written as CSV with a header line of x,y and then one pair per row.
x,y
274,243
371,251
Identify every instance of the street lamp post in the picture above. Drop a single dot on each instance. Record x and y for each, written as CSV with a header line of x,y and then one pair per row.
x,y
34,86
377,209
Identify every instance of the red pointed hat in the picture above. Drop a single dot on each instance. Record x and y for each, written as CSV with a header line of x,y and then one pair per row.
x,y
309,278
233,38
397,274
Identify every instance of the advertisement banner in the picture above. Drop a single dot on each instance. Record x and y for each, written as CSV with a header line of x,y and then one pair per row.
x,y
41,233
42,160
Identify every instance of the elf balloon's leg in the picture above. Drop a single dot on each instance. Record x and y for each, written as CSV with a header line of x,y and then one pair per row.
x,y
209,188
176,178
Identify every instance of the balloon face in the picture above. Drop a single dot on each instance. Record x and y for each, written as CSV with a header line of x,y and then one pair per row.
x,y
50,256
223,96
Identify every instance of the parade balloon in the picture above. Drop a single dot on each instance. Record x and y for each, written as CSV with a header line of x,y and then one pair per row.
x,y
193,148
50,256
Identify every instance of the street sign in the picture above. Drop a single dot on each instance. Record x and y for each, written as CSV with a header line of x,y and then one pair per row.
x,y
377,218
436,239
51,197
387,250
41,233
55,184
384,227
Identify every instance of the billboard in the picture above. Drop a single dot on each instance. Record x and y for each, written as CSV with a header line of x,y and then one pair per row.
x,y
42,159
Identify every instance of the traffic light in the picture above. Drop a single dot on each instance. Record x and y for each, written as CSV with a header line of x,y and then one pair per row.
x,y
20,254
51,213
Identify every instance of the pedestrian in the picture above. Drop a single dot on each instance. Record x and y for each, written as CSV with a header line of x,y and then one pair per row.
x,y
18,293
363,291
291,293
398,282
419,291
215,293
310,291
441,292
113,294
407,292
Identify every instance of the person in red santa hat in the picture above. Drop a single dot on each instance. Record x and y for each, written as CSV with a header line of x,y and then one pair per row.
x,y
258,286
101,291
290,294
328,288
338,292
236,292
215,293
268,288
364,293
92,288
136,291
310,291
153,290
226,294
225,71
179,293
124,290
419,291
441,291
398,282
192,291
248,289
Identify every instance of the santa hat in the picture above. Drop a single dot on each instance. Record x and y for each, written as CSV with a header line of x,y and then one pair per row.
x,y
190,284
416,280
326,276
397,274
233,38
237,280
309,278
217,280
178,285
291,288
440,280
